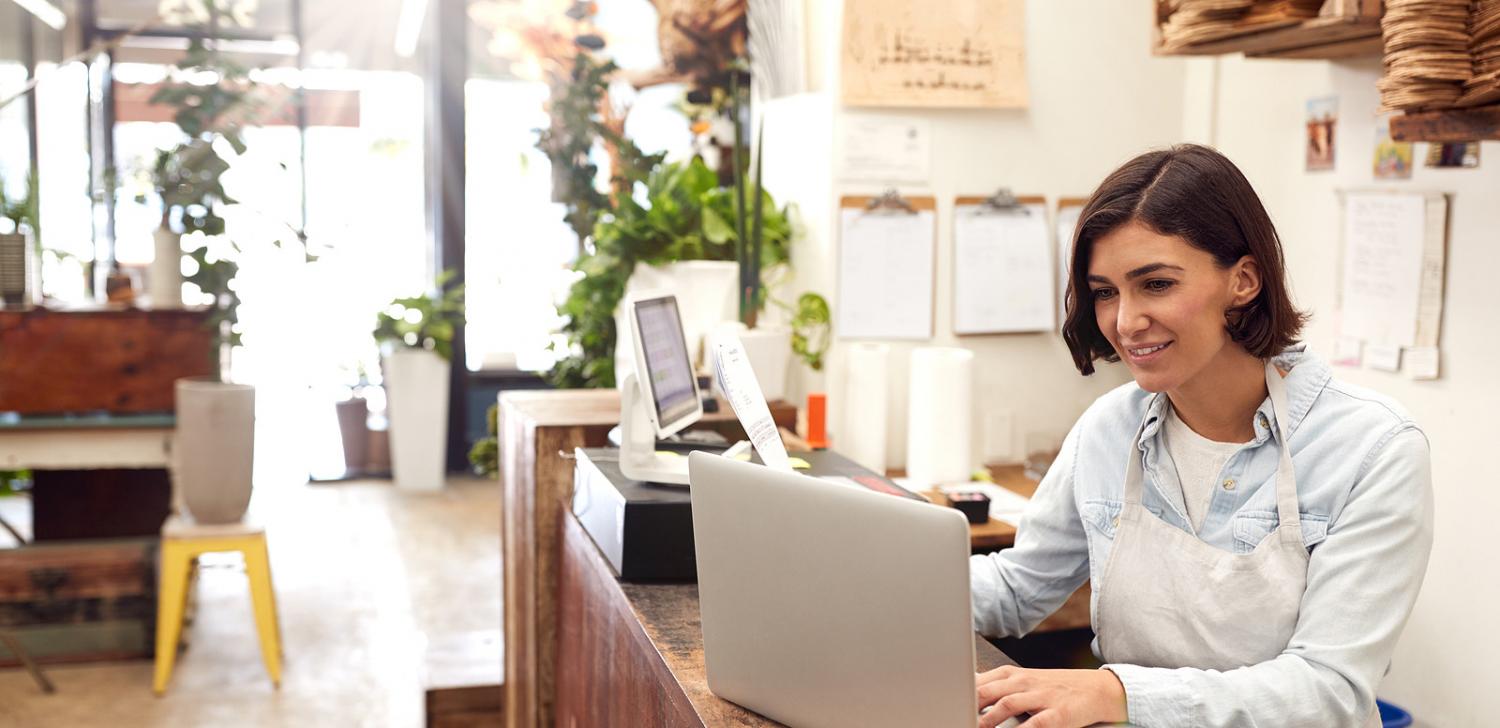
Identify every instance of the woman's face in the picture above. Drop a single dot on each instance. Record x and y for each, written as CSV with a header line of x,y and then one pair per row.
x,y
1161,302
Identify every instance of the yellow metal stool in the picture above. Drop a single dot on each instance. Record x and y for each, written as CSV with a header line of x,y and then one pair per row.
x,y
182,541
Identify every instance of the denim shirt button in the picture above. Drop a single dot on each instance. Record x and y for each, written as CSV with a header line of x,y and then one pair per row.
x,y
1229,484
1261,417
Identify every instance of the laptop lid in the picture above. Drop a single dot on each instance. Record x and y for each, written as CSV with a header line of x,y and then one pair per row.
x,y
827,604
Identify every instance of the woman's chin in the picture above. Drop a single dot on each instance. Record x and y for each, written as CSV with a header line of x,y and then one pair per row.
x,y
1153,382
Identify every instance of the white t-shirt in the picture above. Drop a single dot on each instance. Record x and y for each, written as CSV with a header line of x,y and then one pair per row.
x,y
1199,461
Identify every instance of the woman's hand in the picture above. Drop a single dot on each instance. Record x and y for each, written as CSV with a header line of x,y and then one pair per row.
x,y
1054,698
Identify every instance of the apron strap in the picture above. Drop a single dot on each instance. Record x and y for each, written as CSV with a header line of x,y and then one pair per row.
x,y
1135,474
1287,510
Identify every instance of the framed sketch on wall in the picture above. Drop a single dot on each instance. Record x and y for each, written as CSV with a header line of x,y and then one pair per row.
x,y
934,54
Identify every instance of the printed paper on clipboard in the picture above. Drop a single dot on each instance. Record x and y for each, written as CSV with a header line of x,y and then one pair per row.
x,y
738,383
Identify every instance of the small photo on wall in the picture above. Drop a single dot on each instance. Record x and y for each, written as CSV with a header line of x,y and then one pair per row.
x,y
1322,117
1393,159
1453,154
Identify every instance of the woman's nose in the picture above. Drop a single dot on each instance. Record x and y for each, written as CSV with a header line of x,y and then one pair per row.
x,y
1130,318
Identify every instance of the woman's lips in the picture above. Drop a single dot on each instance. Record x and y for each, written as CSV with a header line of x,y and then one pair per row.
x,y
1147,353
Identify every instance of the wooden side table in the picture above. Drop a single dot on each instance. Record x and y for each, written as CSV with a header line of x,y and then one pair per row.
x,y
538,431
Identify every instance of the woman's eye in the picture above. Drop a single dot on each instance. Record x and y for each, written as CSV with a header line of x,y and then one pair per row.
x,y
1103,294
1159,285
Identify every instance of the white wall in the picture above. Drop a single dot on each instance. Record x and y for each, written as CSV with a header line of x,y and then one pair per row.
x,y
1446,667
1098,98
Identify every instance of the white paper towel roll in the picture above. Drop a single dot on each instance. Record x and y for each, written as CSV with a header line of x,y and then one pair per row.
x,y
863,439
940,416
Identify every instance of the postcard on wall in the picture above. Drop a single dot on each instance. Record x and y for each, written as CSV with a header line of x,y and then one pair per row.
x,y
1453,154
942,54
1322,118
1393,159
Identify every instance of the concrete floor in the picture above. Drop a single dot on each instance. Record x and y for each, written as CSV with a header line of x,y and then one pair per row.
x,y
366,576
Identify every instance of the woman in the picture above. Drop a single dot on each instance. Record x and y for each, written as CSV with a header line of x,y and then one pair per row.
x,y
1255,531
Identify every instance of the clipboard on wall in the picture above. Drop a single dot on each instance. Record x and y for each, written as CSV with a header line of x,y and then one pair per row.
x,y
1066,224
887,260
1003,280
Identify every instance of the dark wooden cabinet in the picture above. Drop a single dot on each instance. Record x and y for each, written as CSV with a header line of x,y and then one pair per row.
x,y
538,431
631,654
118,361
80,602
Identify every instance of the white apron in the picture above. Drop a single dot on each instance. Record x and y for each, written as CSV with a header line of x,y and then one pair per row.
x,y
1167,599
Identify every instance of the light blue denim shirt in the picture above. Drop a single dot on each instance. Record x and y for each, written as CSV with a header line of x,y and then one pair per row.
x,y
1364,484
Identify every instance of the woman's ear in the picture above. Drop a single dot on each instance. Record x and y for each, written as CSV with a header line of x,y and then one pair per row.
x,y
1244,281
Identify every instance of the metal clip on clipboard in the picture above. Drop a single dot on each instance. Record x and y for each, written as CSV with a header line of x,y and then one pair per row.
x,y
889,202
1003,202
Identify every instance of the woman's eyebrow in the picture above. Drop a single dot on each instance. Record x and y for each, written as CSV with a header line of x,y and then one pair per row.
x,y
1138,272
1152,268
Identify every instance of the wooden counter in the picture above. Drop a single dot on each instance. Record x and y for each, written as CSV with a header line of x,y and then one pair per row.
x,y
632,654
534,428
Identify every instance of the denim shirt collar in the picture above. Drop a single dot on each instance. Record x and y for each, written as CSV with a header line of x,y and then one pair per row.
x,y
1307,375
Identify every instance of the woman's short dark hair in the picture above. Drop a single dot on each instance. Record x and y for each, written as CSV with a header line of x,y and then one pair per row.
x,y
1195,193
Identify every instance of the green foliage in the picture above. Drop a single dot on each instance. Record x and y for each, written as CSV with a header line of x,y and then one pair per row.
x,y
189,175
14,481
812,322
685,216
485,455
25,212
422,321
577,127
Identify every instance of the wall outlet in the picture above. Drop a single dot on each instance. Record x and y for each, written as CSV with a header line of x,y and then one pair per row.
x,y
999,437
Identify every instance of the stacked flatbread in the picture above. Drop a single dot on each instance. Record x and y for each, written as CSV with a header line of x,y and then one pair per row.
x,y
1200,21
1484,52
1191,22
1427,56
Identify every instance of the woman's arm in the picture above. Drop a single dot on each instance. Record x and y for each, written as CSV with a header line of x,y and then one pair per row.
x,y
1015,589
1361,584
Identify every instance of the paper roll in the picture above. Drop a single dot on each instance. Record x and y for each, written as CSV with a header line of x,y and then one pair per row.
x,y
939,425
863,439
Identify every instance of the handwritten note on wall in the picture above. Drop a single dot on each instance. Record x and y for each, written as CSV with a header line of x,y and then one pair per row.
x,y
1382,276
939,53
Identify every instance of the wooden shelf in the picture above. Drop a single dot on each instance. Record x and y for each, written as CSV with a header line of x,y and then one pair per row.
x,y
1448,125
1353,29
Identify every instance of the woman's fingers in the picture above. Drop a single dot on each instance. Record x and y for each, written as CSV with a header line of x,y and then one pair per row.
x,y
989,692
1010,706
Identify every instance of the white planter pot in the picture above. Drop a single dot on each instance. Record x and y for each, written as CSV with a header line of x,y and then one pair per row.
x,y
214,448
416,385
164,279
769,350
705,297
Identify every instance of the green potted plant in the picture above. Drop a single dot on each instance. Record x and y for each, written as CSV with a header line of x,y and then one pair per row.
x,y
415,334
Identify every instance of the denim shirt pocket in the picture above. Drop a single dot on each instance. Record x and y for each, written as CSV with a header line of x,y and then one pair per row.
x,y
1103,516
1252,527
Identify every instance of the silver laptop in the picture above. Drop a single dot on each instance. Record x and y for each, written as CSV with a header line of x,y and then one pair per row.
x,y
827,604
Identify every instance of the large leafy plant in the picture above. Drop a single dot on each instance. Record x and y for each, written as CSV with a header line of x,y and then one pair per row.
x,y
188,176
684,215
212,101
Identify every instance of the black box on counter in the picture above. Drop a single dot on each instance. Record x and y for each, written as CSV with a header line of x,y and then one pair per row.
x,y
645,530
